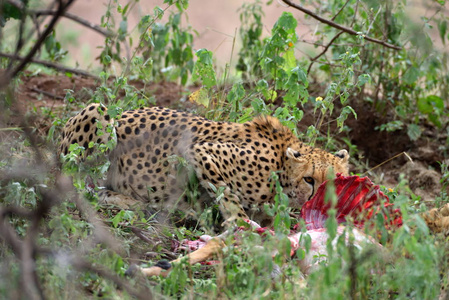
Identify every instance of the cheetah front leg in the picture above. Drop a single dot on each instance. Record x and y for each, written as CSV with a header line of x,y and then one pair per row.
x,y
213,166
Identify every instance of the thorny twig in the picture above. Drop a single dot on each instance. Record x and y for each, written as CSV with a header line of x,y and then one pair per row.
x,y
338,26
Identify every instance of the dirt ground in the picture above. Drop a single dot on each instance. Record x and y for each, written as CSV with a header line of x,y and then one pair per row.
x,y
422,168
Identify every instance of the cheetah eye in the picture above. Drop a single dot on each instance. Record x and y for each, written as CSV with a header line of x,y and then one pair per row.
x,y
309,180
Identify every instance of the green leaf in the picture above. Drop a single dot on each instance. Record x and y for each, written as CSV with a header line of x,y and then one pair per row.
x,y
364,78
123,27
430,103
73,147
289,60
344,115
236,93
204,68
442,28
411,76
413,131
114,111
118,218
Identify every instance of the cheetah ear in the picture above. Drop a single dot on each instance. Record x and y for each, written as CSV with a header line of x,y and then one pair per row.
x,y
295,155
343,154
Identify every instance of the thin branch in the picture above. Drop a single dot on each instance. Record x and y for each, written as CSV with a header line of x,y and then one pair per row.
x,y
338,26
51,65
333,39
324,50
48,94
341,9
95,27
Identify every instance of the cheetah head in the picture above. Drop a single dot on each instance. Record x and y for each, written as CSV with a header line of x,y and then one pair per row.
x,y
306,172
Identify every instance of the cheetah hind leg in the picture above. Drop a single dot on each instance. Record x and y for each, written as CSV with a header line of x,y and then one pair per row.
x,y
437,219
109,197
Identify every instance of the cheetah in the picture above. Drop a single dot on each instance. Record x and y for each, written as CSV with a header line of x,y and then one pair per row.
x,y
233,163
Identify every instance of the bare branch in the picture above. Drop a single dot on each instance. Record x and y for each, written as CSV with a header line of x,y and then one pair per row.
x,y
338,26
95,27
52,65
324,51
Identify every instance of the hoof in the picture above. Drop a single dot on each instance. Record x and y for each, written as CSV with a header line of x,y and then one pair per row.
x,y
163,264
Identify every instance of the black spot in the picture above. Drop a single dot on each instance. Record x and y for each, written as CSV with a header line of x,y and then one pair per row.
x,y
136,131
194,129
128,130
153,127
129,162
86,128
130,120
154,160
92,107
